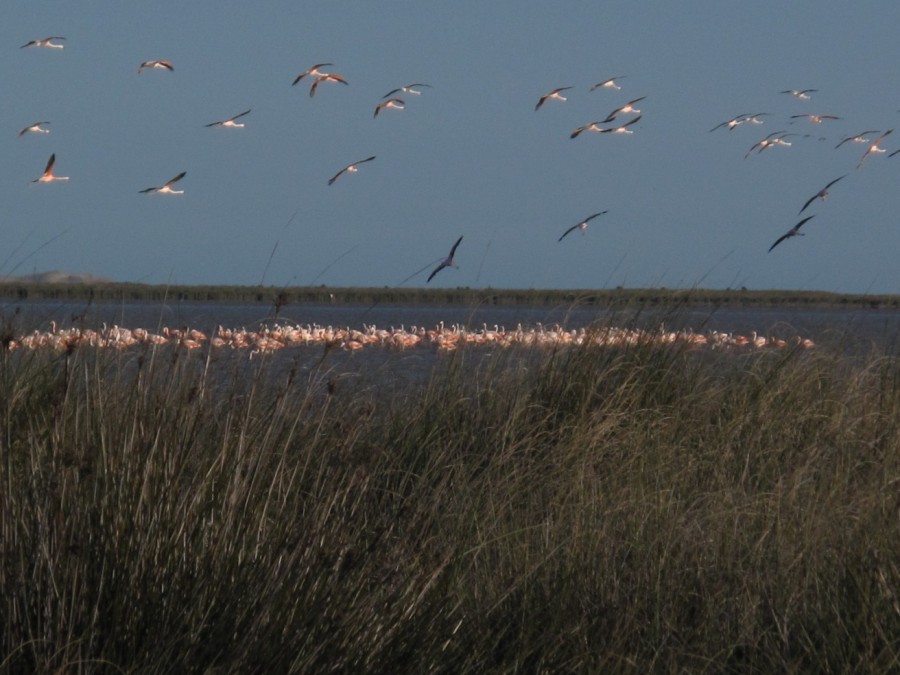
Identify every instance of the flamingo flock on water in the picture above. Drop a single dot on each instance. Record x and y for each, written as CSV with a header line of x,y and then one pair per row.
x,y
267,339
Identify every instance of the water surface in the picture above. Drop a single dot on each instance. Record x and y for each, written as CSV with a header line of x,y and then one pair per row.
x,y
851,329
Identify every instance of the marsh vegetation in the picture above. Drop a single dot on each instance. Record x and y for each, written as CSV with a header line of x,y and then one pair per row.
x,y
629,509
24,289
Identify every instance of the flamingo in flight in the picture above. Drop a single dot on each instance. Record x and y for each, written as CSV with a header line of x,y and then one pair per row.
x,y
34,129
595,126
739,120
447,262
815,119
802,94
350,168
325,77
582,225
609,83
627,108
775,138
408,89
793,232
874,148
396,103
159,64
821,194
311,72
230,122
622,128
553,95
167,188
46,42
858,138
47,176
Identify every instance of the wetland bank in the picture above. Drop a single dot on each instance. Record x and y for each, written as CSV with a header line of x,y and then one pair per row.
x,y
632,508
65,287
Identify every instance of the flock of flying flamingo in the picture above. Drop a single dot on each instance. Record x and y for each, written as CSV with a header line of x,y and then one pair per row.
x,y
777,138
320,74
315,73
771,140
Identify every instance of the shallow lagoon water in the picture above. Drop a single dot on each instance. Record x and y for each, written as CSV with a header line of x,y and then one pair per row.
x,y
854,329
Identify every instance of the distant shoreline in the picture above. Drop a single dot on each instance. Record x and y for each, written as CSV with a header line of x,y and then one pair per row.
x,y
106,291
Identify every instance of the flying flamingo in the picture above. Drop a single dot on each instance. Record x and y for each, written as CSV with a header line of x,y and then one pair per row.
x,y
802,94
793,232
311,72
609,83
230,122
397,103
815,119
858,138
739,120
874,148
160,64
754,119
582,225
34,129
593,126
775,138
731,124
408,89
47,176
821,194
627,108
167,188
326,77
554,95
447,262
46,42
350,168
622,128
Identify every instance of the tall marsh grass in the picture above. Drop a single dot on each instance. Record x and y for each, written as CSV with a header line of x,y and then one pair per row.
x,y
639,509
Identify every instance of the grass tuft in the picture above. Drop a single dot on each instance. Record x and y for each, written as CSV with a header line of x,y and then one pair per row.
x,y
639,508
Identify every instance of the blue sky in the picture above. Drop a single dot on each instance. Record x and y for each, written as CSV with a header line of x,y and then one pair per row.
x,y
469,157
